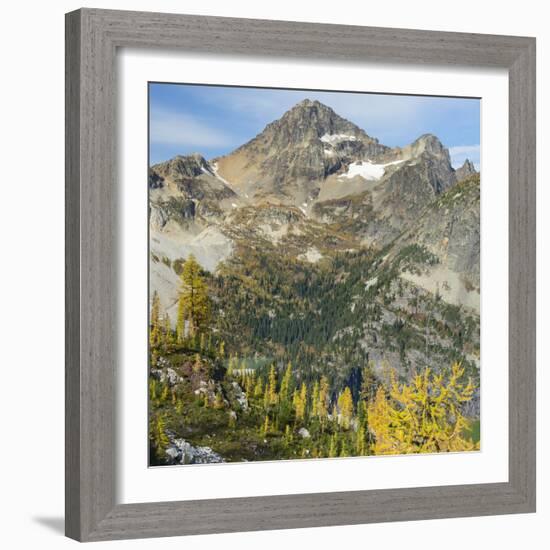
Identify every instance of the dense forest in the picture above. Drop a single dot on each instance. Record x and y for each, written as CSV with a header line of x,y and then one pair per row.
x,y
268,359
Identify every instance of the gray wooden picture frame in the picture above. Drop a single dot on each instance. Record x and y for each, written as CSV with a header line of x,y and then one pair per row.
x,y
92,39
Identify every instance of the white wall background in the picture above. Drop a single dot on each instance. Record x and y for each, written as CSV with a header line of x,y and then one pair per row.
x,y
31,319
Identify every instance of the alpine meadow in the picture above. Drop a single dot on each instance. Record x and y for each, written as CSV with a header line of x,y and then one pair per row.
x,y
313,293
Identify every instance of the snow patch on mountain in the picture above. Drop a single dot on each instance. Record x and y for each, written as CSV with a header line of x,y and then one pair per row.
x,y
367,170
336,138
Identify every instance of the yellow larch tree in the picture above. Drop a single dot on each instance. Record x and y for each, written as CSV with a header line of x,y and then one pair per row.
x,y
194,302
155,328
286,384
424,416
323,400
259,388
299,402
345,404
265,426
155,309
270,397
167,333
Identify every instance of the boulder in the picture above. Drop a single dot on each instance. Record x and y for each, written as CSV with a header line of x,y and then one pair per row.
x,y
181,451
304,433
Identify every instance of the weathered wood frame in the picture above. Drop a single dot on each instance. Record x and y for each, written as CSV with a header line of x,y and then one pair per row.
x,y
92,39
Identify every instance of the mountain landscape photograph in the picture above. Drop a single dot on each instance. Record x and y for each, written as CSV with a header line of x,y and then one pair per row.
x,y
314,274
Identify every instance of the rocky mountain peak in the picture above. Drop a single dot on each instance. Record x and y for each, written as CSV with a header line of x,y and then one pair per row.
x,y
469,165
308,121
289,159
466,170
428,143
310,108
310,103
183,166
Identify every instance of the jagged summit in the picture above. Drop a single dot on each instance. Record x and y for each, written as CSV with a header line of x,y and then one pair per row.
x,y
466,170
310,120
189,178
430,143
309,103
426,143
312,154
183,166
288,159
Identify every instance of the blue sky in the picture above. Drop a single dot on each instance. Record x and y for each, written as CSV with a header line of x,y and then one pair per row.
x,y
214,120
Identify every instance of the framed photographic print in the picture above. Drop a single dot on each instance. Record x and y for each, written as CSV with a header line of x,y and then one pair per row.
x,y
300,275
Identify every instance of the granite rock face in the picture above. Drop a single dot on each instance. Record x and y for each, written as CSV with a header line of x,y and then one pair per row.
x,y
181,451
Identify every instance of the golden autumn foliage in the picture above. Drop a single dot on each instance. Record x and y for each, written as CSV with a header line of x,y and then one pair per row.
x,y
249,384
258,388
265,426
322,403
300,402
167,333
345,404
193,304
286,384
155,330
423,416
158,436
270,397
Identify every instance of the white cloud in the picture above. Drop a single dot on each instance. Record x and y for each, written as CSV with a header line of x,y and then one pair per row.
x,y
183,130
460,153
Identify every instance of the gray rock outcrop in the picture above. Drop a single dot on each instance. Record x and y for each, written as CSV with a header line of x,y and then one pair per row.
x,y
182,452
